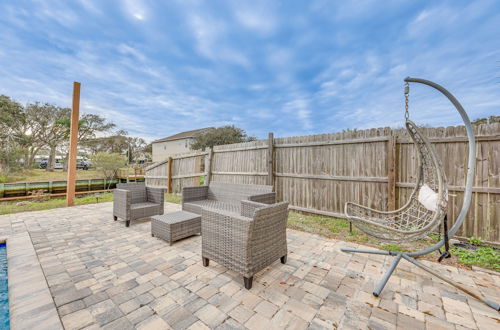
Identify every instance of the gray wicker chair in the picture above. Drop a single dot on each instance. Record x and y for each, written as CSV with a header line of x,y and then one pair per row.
x,y
134,201
246,242
224,196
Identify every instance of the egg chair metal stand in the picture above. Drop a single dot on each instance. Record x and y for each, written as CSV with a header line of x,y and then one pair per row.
x,y
414,221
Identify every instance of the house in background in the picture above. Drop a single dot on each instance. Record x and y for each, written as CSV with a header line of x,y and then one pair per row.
x,y
175,144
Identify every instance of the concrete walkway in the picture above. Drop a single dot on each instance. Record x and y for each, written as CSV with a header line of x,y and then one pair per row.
x,y
103,275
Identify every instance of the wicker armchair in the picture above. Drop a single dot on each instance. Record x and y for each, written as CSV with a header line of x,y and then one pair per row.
x,y
246,242
134,201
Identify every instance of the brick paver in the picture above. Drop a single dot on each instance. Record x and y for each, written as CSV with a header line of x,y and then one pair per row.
x,y
104,275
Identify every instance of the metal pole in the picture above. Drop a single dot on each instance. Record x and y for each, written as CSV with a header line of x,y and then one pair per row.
x,y
387,275
467,290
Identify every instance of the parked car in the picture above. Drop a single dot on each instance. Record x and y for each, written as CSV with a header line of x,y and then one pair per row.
x,y
57,165
82,165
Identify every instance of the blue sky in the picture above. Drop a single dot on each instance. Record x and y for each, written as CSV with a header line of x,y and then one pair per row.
x,y
291,67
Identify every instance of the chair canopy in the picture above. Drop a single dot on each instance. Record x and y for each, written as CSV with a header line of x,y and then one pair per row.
x,y
413,220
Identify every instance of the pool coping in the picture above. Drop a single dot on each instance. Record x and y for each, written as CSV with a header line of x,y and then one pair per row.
x,y
30,302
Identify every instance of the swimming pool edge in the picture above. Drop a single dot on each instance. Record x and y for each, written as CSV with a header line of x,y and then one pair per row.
x,y
30,302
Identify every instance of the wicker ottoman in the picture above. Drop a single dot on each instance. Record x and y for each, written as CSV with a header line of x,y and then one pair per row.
x,y
176,225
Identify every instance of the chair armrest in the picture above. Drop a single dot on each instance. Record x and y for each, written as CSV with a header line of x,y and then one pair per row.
x,y
157,196
223,228
267,198
248,208
122,199
195,193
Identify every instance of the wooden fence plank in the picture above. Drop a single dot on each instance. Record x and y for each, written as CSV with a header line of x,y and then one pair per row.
x,y
270,160
391,173
170,164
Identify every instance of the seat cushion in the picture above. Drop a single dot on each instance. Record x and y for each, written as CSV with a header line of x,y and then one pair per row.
x,y
142,210
196,206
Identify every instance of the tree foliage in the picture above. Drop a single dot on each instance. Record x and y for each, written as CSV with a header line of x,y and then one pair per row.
x,y
487,120
220,136
108,164
27,131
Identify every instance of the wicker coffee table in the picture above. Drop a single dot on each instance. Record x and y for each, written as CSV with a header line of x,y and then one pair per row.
x,y
176,225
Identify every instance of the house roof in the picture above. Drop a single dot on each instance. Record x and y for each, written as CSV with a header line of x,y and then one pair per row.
x,y
183,135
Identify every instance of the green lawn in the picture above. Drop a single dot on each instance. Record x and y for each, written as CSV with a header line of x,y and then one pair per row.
x,y
24,206
31,205
33,175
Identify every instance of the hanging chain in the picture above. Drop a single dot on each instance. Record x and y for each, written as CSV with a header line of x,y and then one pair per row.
x,y
407,95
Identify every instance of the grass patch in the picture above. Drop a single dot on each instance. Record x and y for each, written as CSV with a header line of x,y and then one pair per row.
x,y
329,227
32,205
393,247
25,206
172,198
483,256
33,175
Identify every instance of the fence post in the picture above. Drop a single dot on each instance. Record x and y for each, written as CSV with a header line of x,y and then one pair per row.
x,y
169,186
2,189
270,159
197,169
391,173
208,166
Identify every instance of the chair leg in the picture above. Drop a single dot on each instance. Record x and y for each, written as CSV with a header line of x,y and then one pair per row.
x,y
205,262
127,223
248,282
115,217
283,259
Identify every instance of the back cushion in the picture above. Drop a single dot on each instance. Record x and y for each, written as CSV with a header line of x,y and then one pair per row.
x,y
233,192
138,191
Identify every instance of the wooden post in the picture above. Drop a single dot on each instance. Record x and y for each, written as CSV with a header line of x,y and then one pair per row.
x,y
197,169
170,161
208,166
270,159
73,140
391,173
2,189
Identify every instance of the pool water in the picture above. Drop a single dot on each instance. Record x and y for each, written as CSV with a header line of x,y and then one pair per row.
x,y
4,293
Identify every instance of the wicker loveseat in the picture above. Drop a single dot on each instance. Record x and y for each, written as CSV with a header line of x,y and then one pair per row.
x,y
242,228
224,196
134,201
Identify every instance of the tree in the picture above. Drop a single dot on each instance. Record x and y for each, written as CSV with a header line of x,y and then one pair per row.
x,y
136,146
219,136
89,126
108,164
51,123
11,123
487,120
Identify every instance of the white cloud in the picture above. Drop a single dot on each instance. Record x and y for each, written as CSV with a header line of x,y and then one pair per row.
x,y
300,108
135,9
258,17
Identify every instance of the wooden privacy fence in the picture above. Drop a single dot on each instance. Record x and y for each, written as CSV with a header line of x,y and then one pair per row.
x,y
374,167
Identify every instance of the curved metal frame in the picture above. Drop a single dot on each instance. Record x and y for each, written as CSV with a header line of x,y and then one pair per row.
x,y
410,257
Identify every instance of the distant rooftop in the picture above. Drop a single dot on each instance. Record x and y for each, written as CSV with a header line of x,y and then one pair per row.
x,y
183,135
